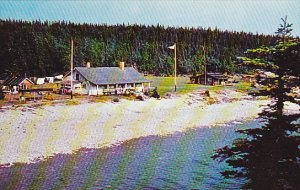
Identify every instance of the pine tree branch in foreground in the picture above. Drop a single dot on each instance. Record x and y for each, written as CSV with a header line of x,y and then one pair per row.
x,y
269,156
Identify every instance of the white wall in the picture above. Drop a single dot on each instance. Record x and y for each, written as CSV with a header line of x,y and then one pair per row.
x,y
92,90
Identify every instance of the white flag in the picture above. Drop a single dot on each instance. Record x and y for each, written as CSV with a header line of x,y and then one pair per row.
x,y
172,47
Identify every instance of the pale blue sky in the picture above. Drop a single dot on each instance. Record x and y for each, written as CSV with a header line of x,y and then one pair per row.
x,y
256,16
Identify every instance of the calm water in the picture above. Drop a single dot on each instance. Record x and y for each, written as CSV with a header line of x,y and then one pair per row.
x,y
178,161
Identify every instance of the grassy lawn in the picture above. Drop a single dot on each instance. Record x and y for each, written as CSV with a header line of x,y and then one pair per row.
x,y
243,86
166,84
216,88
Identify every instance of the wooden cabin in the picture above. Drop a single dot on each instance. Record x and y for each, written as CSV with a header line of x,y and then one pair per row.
x,y
14,84
109,80
211,79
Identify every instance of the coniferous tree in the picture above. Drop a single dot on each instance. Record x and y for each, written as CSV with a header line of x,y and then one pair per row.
x,y
1,93
42,48
268,157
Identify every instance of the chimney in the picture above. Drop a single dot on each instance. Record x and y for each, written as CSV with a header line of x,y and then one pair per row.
x,y
122,65
88,65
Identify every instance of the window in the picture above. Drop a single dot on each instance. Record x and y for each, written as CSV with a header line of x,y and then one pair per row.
x,y
23,86
77,76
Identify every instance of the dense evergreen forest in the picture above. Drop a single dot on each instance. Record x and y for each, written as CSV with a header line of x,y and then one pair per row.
x,y
43,48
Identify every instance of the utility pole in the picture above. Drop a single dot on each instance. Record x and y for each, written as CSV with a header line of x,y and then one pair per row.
x,y
204,59
175,67
71,68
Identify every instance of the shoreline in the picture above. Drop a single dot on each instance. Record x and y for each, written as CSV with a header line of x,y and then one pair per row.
x,y
32,134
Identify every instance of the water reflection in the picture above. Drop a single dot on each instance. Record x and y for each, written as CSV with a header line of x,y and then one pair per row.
x,y
178,161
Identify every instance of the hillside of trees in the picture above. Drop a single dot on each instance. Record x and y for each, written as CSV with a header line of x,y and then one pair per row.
x,y
43,48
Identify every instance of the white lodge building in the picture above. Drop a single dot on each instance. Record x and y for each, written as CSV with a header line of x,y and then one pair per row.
x,y
108,80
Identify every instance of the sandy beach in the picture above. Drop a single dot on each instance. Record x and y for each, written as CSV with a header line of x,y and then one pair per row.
x,y
30,134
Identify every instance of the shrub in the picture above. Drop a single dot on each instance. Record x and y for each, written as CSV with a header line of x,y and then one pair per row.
x,y
1,94
243,86
155,94
207,93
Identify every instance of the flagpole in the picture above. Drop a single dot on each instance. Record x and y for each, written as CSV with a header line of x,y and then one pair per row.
x,y
174,48
71,68
175,65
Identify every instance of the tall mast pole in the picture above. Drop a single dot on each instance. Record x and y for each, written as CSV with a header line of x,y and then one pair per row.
x,y
71,68
173,47
175,67
204,65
